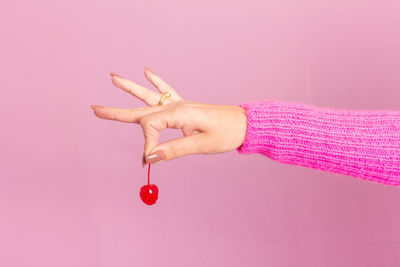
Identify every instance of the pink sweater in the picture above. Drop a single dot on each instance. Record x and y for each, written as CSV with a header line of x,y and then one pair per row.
x,y
363,143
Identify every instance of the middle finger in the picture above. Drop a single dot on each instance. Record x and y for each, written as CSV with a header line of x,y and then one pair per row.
x,y
150,97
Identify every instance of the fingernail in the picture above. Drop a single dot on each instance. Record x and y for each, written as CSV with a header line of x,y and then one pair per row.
x,y
147,68
143,160
115,74
96,106
155,157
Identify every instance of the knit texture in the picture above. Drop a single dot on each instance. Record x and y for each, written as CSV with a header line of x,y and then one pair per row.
x,y
359,143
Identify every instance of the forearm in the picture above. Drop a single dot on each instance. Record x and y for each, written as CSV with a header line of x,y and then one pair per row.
x,y
364,144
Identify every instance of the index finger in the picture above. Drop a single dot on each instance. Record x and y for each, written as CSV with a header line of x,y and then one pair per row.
x,y
131,115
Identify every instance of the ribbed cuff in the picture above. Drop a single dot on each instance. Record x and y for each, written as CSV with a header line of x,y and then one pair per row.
x,y
256,136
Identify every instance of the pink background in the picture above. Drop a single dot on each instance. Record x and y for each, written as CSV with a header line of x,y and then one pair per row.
x,y
69,186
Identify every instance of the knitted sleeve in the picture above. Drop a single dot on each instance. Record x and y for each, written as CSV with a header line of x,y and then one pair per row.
x,y
359,143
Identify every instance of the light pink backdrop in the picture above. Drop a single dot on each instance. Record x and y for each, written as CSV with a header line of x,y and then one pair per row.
x,y
69,186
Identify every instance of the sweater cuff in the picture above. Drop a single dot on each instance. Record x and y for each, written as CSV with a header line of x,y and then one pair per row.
x,y
257,115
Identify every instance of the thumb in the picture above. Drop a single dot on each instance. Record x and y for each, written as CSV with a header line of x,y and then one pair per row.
x,y
194,144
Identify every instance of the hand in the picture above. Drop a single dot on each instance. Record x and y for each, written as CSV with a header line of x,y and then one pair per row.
x,y
207,129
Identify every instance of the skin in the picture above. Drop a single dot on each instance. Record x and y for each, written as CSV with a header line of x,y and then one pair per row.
x,y
206,129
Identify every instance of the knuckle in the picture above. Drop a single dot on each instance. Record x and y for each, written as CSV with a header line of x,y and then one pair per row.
x,y
157,81
178,107
149,125
182,108
144,121
175,151
112,114
130,90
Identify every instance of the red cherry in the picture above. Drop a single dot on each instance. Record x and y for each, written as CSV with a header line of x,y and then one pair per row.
x,y
149,194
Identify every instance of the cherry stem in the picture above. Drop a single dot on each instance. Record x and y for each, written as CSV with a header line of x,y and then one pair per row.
x,y
148,175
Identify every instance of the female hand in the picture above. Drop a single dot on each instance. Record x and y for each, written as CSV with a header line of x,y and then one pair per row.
x,y
207,129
